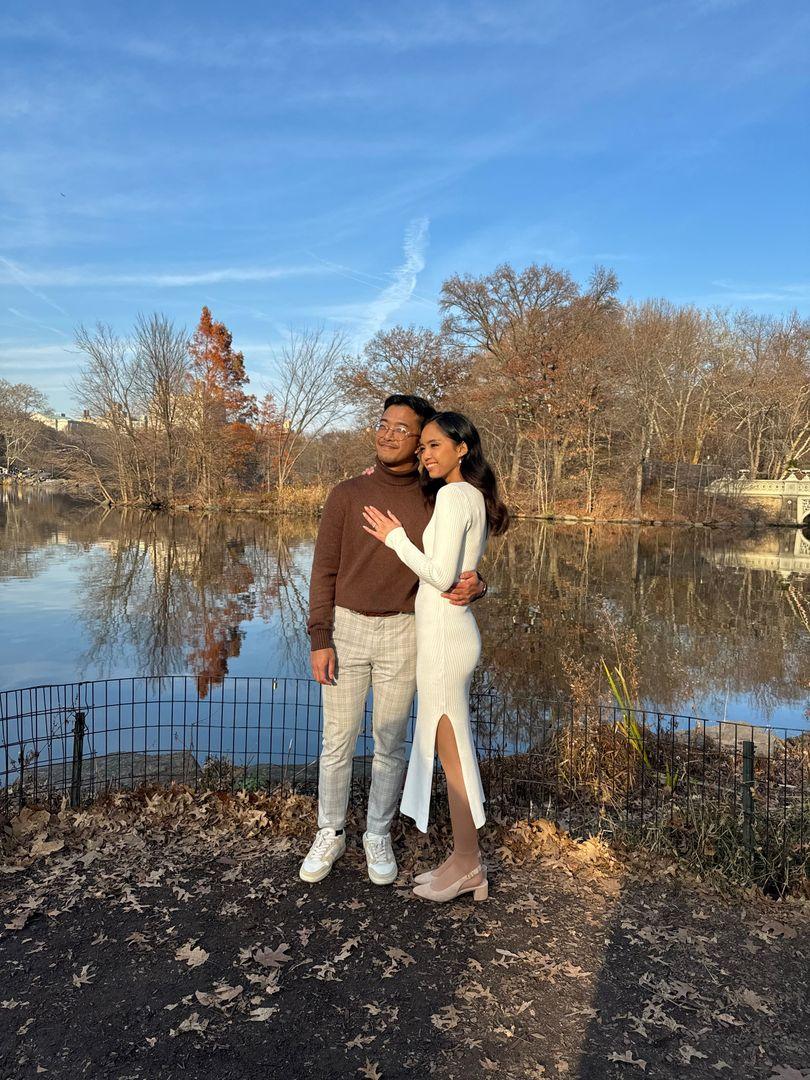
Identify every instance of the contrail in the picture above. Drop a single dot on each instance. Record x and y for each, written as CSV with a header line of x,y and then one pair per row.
x,y
405,276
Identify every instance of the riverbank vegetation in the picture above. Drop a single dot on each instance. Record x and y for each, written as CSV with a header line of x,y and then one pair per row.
x,y
589,406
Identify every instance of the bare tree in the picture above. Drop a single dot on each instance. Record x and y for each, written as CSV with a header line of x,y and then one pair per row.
x,y
306,394
638,382
161,374
535,336
108,386
18,429
769,410
791,360
405,360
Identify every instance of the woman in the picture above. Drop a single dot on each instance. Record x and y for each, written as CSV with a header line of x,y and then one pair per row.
x,y
458,480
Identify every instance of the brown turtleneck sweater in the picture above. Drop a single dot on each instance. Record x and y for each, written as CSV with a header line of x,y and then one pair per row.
x,y
353,570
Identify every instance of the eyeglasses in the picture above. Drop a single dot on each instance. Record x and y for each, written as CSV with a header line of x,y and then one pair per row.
x,y
398,431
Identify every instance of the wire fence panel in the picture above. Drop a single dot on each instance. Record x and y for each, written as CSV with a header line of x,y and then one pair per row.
x,y
718,792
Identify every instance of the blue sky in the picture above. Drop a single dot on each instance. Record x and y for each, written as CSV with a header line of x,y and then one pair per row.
x,y
293,164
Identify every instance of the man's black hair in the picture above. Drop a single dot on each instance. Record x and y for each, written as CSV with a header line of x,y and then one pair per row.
x,y
423,409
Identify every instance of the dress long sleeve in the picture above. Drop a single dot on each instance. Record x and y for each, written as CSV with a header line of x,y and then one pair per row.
x,y
451,520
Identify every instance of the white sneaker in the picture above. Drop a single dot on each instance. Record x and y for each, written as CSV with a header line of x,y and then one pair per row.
x,y
382,866
324,853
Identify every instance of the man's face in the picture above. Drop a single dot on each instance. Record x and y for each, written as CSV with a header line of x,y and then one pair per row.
x,y
394,447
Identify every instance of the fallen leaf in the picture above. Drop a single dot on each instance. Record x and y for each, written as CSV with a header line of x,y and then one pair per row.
x,y
755,1002
773,929
348,945
264,1013
192,954
46,847
628,1059
272,957
688,1052
19,921
400,956
446,1019
191,1023
370,1070
325,972
29,821
84,977
360,1041
220,995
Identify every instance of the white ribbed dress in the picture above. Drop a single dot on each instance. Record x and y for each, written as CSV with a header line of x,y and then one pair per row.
x,y
448,644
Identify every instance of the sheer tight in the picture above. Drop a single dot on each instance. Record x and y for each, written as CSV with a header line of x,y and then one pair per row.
x,y
465,855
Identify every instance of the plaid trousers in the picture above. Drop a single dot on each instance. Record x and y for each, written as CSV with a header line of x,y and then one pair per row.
x,y
376,653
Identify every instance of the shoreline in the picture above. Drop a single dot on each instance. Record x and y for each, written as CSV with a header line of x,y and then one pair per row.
x,y
75,490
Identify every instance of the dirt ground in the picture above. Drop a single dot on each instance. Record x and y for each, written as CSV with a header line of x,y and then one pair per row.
x,y
168,935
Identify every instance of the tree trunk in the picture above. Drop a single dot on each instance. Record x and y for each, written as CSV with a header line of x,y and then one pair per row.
x,y
640,467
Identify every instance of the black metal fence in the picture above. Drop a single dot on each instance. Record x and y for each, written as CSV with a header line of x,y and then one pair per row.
x,y
734,795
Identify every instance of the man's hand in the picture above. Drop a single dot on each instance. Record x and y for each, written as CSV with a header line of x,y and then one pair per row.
x,y
468,588
324,665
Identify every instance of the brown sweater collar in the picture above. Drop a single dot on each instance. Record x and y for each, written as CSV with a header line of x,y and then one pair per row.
x,y
383,475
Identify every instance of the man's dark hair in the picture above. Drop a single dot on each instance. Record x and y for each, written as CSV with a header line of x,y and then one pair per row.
x,y
423,409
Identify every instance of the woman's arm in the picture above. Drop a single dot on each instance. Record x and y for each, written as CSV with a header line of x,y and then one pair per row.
x,y
451,519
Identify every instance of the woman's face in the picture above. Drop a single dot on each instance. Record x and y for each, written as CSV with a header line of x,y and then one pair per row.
x,y
440,456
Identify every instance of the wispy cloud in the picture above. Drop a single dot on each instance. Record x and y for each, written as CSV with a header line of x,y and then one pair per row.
x,y
734,293
437,25
20,359
17,276
373,281
70,277
37,322
401,289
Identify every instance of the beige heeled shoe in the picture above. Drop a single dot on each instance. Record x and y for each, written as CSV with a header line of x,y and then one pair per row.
x,y
425,891
423,879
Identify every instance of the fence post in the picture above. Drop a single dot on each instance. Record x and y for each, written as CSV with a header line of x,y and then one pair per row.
x,y
22,775
78,751
748,794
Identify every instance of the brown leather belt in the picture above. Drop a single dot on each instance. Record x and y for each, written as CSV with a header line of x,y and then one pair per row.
x,y
376,614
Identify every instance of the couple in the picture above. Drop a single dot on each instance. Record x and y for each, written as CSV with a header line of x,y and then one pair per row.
x,y
383,534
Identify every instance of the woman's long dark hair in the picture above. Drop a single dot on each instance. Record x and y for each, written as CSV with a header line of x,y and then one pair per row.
x,y
475,469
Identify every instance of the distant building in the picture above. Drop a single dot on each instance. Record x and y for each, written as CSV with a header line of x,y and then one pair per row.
x,y
62,422
69,423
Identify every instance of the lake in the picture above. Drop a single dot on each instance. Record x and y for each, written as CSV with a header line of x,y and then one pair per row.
x,y
711,623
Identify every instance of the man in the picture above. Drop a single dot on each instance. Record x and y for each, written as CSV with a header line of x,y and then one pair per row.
x,y
361,627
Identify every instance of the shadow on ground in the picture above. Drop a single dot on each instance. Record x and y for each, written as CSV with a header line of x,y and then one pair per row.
x,y
176,939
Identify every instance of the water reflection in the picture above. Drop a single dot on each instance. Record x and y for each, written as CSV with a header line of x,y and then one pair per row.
x,y
709,622
706,629
172,594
